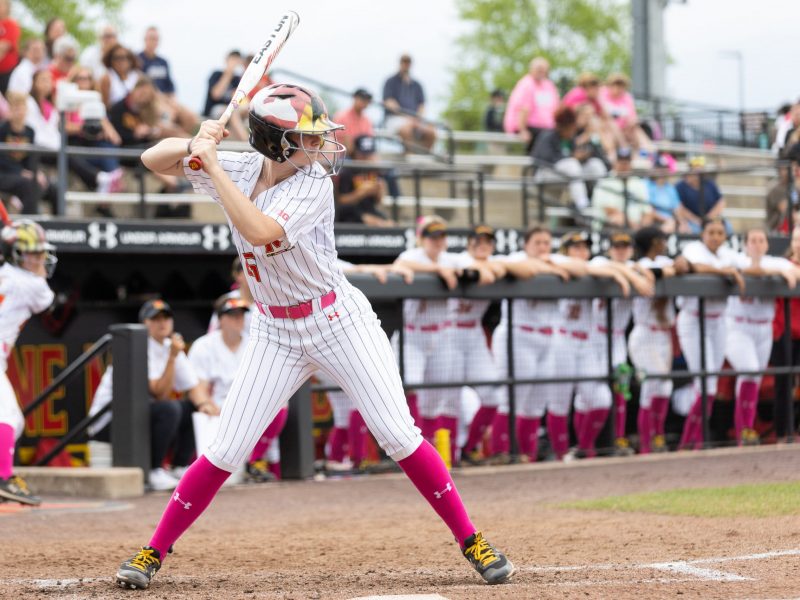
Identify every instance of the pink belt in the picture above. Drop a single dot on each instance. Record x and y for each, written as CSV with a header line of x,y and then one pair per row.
x,y
605,330
297,311
466,324
752,321
708,315
542,330
434,327
658,328
578,335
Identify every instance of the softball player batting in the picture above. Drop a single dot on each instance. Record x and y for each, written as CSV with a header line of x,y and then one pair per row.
x,y
279,205
707,255
30,260
748,325
534,322
650,342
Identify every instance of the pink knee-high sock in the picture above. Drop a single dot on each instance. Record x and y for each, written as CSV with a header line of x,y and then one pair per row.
x,y
7,441
272,431
593,422
336,444
275,469
451,424
557,431
659,407
413,406
581,422
621,415
427,471
194,493
357,434
528,428
500,434
483,418
644,421
748,397
691,424
429,425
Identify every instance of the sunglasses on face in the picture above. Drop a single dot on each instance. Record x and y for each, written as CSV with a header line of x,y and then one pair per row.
x,y
120,57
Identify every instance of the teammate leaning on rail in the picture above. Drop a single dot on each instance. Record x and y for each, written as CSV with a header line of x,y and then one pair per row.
x,y
29,261
279,205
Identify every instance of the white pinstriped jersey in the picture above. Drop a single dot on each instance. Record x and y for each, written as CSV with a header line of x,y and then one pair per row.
x,y
748,307
428,312
644,309
22,294
621,307
302,264
698,252
529,312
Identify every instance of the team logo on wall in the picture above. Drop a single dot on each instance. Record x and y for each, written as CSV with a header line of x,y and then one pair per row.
x,y
102,235
216,236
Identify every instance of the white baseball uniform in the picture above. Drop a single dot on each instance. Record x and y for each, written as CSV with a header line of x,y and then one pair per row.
x,y
215,362
22,294
427,352
536,324
688,321
748,320
650,342
309,318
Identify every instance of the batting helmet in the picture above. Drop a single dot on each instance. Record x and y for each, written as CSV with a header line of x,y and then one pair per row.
x,y
27,237
282,109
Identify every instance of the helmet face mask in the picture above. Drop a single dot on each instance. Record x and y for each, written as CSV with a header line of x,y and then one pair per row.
x,y
283,117
24,238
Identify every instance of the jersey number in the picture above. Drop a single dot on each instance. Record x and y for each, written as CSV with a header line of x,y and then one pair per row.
x,y
251,266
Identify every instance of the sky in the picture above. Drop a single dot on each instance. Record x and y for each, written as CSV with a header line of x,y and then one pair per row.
x,y
353,43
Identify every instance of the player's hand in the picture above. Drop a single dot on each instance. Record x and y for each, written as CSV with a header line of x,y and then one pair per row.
x,y
623,283
379,272
736,277
646,273
681,265
177,345
643,287
213,130
206,150
208,408
450,277
791,279
561,272
404,272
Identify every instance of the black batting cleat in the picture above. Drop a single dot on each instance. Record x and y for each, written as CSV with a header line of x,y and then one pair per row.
x,y
258,472
14,488
487,560
138,571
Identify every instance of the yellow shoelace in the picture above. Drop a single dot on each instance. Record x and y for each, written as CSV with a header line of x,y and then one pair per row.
x,y
259,465
144,559
20,483
482,551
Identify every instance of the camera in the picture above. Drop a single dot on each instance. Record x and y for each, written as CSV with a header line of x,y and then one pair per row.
x,y
89,105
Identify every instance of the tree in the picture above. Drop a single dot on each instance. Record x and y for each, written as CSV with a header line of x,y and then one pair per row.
x,y
80,16
574,35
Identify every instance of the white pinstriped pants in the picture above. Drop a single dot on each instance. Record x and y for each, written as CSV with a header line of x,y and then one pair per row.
x,y
10,413
346,343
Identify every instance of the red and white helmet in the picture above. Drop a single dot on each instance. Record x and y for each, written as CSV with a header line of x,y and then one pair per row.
x,y
282,109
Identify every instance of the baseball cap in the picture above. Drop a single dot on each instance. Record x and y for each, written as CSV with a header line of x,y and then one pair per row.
x,y
152,308
572,238
363,94
482,230
434,229
621,238
229,303
365,144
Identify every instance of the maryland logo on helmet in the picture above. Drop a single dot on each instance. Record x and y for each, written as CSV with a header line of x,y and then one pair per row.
x,y
26,237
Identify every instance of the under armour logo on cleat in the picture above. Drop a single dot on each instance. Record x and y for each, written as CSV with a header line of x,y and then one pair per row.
x,y
447,488
187,505
333,315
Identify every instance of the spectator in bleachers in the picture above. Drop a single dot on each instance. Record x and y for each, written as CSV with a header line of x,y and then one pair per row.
x,y
586,91
592,131
360,193
65,54
404,101
92,56
618,104
355,120
122,73
700,199
777,201
9,44
711,256
53,30
19,174
154,66
221,86
495,112
33,59
784,126
662,195
611,194
557,157
532,104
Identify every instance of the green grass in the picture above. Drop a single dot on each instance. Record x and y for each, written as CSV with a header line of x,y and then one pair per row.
x,y
750,500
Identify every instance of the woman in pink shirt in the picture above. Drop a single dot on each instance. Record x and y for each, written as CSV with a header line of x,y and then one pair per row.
x,y
618,104
532,103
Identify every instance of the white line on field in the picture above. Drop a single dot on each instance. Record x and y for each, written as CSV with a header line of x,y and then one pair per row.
x,y
707,574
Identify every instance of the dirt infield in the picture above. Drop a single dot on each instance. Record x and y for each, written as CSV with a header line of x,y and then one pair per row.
x,y
374,536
